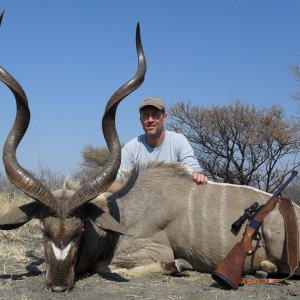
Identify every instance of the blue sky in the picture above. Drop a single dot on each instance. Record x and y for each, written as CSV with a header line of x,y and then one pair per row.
x,y
70,56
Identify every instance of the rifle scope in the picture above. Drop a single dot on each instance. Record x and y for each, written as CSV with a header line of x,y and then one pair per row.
x,y
249,212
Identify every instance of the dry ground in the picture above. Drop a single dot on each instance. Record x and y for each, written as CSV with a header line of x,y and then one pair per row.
x,y
22,277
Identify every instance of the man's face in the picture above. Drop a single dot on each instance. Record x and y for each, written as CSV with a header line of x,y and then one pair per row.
x,y
152,120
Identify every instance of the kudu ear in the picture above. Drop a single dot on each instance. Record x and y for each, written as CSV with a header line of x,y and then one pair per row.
x,y
19,216
103,219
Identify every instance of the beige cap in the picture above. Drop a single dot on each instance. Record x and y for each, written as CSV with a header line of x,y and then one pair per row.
x,y
152,101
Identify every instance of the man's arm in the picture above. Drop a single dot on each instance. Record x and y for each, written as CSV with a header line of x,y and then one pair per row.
x,y
114,187
188,158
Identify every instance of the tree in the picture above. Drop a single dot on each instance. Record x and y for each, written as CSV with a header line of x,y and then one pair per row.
x,y
292,191
5,185
93,161
295,69
53,180
238,143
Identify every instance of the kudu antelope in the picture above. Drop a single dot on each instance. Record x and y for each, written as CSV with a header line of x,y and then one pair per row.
x,y
63,214
164,219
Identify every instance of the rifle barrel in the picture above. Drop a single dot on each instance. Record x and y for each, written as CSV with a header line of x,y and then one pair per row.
x,y
284,185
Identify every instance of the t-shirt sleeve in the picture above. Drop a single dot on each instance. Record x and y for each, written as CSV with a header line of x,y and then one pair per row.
x,y
126,162
186,154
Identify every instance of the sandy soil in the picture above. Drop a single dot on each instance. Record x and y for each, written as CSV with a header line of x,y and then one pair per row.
x,y
22,267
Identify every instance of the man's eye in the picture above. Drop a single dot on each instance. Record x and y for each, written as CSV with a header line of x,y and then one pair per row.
x,y
153,116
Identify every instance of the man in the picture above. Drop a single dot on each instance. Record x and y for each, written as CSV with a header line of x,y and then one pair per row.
x,y
157,144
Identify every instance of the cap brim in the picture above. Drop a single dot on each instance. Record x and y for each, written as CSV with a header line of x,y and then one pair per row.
x,y
154,105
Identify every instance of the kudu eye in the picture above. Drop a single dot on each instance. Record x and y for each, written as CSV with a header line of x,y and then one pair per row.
x,y
77,236
47,237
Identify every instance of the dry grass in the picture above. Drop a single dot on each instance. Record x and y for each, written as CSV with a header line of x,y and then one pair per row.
x,y
10,202
13,242
21,250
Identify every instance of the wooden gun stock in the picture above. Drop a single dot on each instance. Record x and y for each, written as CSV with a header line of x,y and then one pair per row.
x,y
228,273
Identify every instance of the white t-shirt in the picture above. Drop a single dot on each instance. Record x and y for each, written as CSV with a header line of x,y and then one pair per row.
x,y
174,148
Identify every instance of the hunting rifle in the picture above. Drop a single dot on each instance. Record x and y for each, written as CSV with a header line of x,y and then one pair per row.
x,y
228,273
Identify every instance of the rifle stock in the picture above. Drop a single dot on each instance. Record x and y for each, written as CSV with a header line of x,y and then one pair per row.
x,y
228,273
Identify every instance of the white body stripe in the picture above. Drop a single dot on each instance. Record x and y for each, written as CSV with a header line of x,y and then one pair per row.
x,y
190,213
223,229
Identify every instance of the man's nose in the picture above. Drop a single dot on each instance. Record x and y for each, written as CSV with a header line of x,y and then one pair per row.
x,y
151,119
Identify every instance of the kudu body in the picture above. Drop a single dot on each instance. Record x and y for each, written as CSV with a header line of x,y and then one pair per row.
x,y
168,219
164,219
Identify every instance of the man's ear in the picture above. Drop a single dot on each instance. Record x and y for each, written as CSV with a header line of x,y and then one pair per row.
x,y
165,117
19,216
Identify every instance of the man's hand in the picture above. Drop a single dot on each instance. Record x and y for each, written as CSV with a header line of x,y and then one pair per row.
x,y
114,187
199,178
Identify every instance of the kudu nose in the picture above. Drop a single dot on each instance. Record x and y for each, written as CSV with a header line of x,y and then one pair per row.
x,y
59,288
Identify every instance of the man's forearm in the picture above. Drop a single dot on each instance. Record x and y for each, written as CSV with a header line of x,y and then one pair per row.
x,y
114,187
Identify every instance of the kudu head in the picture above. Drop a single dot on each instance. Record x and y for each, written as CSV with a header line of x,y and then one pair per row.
x,y
62,213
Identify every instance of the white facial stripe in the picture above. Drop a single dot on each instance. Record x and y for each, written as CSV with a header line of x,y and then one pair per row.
x,y
61,254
